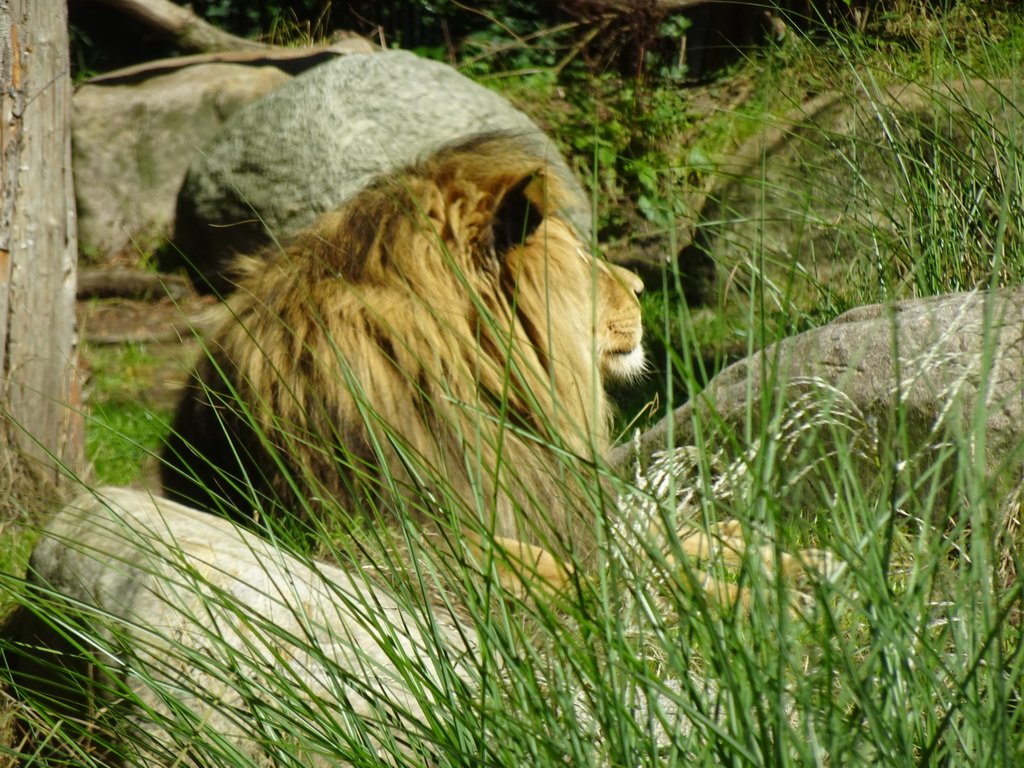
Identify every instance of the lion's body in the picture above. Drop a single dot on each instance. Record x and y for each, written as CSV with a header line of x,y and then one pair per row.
x,y
446,324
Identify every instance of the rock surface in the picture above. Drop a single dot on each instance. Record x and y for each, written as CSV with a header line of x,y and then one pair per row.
x,y
132,144
941,365
308,147
207,625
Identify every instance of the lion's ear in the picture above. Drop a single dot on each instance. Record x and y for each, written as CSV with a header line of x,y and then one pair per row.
x,y
516,215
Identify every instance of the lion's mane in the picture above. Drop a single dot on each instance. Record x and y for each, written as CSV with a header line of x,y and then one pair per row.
x,y
442,325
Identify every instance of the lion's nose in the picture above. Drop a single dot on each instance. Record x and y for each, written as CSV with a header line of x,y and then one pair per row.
x,y
630,279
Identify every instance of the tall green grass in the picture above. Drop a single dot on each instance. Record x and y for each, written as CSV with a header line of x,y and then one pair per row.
x,y
909,656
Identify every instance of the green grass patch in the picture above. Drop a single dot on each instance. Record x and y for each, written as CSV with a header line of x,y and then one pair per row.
x,y
124,428
122,437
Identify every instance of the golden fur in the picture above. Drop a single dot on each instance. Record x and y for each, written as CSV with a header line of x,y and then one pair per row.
x,y
447,324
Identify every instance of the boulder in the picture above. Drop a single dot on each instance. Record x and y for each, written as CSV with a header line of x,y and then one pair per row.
x,y
894,383
841,187
308,147
193,631
132,144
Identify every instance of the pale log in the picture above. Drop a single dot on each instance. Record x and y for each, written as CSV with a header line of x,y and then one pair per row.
x,y
40,396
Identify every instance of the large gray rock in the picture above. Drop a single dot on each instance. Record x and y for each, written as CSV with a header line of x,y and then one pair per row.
x,y
843,188
897,383
308,147
207,625
132,144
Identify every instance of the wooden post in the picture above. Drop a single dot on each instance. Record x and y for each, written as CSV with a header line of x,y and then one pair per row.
x,y
40,394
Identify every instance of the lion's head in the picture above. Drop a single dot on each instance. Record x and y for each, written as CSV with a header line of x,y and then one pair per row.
x,y
447,324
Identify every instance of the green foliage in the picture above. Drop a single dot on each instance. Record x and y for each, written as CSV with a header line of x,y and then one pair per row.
x,y
124,429
255,17
122,438
614,134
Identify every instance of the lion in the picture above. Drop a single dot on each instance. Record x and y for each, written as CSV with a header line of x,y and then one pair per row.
x,y
437,349
444,335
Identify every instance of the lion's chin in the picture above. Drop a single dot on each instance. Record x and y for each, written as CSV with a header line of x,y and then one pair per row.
x,y
624,366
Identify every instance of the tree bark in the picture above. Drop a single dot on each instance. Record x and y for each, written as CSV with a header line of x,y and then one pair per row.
x,y
188,31
130,284
40,392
